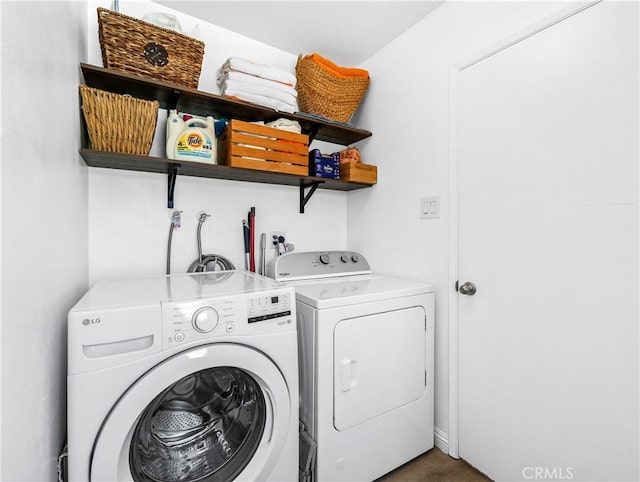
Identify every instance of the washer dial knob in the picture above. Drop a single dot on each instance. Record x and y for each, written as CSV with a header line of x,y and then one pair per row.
x,y
344,258
205,319
324,258
355,258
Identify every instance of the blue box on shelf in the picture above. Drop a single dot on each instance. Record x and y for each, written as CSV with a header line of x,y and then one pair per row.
x,y
323,165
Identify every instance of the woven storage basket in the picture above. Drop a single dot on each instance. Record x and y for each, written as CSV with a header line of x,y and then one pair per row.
x,y
118,123
143,49
323,93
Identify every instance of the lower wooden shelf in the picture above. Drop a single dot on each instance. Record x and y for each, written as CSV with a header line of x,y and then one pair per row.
x,y
129,162
113,160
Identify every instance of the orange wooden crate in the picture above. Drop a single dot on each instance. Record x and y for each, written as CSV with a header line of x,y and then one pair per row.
x,y
253,146
359,172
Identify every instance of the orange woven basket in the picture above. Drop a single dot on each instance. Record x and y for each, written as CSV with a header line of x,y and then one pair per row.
x,y
324,91
141,48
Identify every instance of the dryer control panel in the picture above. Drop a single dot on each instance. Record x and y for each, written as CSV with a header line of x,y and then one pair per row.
x,y
317,264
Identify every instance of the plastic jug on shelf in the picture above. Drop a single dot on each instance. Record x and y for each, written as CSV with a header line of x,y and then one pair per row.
x,y
191,138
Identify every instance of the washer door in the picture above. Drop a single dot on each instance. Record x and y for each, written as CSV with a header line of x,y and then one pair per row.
x,y
214,413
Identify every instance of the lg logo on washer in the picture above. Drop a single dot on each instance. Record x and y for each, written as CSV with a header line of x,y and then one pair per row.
x,y
91,321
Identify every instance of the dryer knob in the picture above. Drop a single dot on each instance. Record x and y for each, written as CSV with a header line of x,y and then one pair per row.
x,y
344,258
324,258
205,319
355,258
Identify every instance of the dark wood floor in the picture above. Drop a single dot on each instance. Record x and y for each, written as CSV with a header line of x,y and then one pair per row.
x,y
435,466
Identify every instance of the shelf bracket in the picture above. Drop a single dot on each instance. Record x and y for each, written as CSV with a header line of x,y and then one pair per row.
x,y
171,184
313,132
172,102
304,198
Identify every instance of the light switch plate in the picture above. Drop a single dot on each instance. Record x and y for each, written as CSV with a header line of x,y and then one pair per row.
x,y
430,207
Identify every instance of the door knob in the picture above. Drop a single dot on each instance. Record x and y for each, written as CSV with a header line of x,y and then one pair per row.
x,y
467,288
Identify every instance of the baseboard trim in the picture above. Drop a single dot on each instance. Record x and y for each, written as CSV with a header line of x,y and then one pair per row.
x,y
441,440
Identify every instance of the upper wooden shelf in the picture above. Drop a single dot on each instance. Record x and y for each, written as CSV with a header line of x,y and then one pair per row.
x,y
201,103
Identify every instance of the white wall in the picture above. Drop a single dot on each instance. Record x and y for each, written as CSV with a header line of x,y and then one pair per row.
x,y
128,217
0,252
407,109
44,227
49,199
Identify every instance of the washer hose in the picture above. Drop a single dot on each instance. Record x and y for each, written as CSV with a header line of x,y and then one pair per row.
x,y
171,228
175,223
208,262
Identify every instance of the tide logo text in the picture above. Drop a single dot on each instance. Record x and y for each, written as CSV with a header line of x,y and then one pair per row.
x,y
195,141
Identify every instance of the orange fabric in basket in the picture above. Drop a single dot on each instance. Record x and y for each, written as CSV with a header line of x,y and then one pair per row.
x,y
336,69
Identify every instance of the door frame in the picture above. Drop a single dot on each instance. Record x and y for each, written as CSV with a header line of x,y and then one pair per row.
x,y
454,78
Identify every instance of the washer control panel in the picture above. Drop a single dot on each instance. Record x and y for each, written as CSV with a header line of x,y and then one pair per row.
x,y
205,319
317,264
268,307
246,314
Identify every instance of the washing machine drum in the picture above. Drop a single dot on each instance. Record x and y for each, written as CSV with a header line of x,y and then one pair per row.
x,y
206,426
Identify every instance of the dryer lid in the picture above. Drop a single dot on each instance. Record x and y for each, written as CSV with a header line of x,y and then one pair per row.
x,y
334,292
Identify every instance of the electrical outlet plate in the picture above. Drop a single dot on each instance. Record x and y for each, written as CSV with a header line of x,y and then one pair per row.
x,y
272,240
430,207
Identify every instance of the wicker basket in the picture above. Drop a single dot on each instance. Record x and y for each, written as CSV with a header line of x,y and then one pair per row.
x,y
143,49
322,91
118,123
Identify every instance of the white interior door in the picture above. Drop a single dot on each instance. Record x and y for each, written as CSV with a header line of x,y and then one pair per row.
x,y
548,232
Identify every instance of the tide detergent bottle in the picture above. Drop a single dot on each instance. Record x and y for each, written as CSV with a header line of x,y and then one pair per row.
x,y
190,138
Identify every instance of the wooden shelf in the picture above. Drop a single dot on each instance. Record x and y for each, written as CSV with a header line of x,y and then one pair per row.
x,y
129,162
201,103
113,160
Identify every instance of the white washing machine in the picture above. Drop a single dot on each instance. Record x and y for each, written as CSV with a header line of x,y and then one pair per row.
x,y
183,378
366,365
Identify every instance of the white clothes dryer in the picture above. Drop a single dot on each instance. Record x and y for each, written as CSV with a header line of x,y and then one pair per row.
x,y
183,378
366,365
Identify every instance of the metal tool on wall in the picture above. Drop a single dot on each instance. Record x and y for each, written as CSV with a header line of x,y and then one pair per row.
x,y
245,234
252,234
263,254
249,234
208,262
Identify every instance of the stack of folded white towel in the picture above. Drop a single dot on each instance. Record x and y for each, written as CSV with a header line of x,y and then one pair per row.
x,y
259,84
